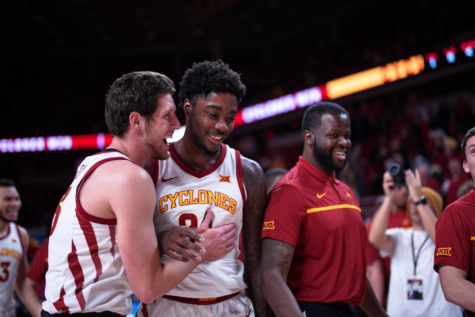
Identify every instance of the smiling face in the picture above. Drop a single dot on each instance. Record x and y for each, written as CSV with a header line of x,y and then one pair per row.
x,y
10,203
211,120
332,141
469,163
160,126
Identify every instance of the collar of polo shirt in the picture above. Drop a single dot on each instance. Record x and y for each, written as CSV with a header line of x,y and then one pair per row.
x,y
318,174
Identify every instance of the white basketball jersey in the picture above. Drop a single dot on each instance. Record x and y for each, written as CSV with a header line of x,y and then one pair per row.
x,y
11,255
85,272
183,197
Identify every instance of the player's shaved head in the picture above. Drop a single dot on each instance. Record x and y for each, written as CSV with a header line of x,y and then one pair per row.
x,y
313,115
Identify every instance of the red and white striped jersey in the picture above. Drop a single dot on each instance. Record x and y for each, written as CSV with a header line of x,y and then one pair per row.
x,y
85,273
11,255
183,197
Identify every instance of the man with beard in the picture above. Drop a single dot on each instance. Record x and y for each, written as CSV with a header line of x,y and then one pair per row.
x,y
314,239
14,242
204,173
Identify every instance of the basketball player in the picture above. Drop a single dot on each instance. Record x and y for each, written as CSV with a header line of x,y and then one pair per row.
x,y
203,172
14,241
111,202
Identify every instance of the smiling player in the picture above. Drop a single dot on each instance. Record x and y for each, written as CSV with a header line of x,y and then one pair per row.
x,y
202,172
13,243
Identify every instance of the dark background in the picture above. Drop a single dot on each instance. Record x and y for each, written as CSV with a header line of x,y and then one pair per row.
x,y
58,58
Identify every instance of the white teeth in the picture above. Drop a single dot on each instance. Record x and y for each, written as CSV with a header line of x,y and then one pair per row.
x,y
217,138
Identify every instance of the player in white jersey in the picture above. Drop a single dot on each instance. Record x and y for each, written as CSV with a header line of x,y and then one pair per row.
x,y
14,241
103,246
201,173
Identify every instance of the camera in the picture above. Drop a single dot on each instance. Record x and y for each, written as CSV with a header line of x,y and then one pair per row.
x,y
398,175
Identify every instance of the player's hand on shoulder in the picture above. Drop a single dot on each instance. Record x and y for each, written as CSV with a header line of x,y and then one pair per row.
x,y
218,241
180,244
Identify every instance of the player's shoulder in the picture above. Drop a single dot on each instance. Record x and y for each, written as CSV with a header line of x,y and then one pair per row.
x,y
25,237
462,206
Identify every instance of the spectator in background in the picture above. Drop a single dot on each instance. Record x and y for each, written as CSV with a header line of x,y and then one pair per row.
x,y
414,288
395,200
457,178
273,176
34,283
454,259
465,188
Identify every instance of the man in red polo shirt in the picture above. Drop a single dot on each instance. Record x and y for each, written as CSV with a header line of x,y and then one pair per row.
x,y
314,239
455,240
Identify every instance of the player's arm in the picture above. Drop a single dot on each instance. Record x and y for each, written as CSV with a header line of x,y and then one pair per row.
x,y
131,197
181,243
29,297
371,305
276,260
23,288
253,217
457,289
377,233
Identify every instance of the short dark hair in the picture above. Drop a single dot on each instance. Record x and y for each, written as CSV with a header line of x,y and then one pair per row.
x,y
5,182
467,136
206,77
313,115
137,91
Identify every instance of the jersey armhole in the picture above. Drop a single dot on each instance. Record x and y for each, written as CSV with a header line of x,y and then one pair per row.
x,y
79,207
239,176
155,172
19,237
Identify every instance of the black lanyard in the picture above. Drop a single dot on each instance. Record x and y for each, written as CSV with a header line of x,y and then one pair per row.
x,y
414,257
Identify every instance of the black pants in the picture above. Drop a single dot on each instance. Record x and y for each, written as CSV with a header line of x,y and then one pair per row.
x,y
325,309
101,314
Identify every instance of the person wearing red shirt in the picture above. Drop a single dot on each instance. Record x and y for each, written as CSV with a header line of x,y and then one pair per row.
x,y
454,240
313,235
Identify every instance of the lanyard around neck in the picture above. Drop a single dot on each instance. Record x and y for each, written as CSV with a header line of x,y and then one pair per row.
x,y
414,257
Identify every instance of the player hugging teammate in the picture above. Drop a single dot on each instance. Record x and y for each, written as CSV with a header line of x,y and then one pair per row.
x,y
203,173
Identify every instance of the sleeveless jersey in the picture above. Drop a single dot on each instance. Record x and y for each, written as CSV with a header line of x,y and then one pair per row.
x,y
183,197
85,273
11,255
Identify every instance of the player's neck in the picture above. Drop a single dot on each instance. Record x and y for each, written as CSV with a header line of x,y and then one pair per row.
x,y
3,228
133,150
193,156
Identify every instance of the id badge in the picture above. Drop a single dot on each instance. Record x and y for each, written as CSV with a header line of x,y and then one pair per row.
x,y
414,290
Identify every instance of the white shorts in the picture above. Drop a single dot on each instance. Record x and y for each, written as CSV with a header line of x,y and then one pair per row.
x,y
237,306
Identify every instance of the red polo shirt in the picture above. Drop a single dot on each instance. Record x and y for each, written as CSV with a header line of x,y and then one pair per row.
x,y
320,217
38,268
455,237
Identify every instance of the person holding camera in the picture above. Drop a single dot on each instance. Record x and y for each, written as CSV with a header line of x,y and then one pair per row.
x,y
414,287
378,270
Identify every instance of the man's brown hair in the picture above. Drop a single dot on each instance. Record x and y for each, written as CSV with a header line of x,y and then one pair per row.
x,y
137,91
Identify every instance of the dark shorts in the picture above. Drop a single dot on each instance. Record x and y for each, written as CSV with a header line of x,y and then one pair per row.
x,y
101,314
325,309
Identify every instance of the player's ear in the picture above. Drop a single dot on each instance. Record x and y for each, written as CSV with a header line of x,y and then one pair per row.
x,y
308,137
135,119
465,167
187,106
